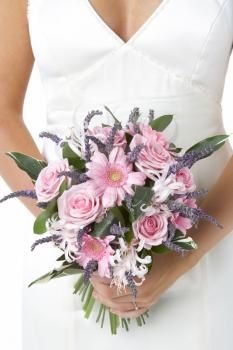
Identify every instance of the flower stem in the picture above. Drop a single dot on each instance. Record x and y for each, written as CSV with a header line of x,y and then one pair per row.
x,y
78,284
103,316
100,312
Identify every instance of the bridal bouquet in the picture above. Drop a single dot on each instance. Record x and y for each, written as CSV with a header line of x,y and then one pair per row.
x,y
116,195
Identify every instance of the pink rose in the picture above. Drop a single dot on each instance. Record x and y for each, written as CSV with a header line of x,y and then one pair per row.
x,y
181,223
151,229
47,184
185,176
149,133
153,157
80,205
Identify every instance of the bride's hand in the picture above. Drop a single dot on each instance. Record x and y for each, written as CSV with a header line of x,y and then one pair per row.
x,y
166,269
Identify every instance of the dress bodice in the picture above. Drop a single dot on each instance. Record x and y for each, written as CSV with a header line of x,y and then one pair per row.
x,y
175,63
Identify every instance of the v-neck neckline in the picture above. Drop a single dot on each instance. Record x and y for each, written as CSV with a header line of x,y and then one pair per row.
x,y
137,33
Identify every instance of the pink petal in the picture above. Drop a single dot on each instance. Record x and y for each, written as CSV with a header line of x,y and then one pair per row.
x,y
116,155
99,158
109,197
136,178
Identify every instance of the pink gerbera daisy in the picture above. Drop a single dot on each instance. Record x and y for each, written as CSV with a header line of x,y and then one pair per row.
x,y
113,177
97,249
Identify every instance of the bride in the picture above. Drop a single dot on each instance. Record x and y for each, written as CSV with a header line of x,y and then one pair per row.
x,y
169,55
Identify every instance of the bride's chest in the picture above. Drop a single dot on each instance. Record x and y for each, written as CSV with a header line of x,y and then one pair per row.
x,y
68,37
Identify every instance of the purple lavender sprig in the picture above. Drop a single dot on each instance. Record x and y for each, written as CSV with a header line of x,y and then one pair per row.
x,y
87,121
111,138
151,115
128,201
89,269
169,244
89,117
193,194
101,146
171,230
87,155
192,213
190,158
76,177
197,193
52,238
80,235
133,118
172,246
52,137
131,283
134,154
116,230
20,193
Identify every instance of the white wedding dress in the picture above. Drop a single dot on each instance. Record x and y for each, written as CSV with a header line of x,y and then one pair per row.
x,y
176,64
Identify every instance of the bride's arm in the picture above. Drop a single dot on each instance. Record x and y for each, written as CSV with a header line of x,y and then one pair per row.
x,y
16,62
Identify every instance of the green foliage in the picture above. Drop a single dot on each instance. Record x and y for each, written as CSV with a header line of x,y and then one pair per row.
x,y
39,226
215,141
114,117
180,240
101,229
73,158
62,271
161,123
30,165
63,187
142,197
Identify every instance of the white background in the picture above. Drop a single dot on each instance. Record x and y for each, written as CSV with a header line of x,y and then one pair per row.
x,y
14,216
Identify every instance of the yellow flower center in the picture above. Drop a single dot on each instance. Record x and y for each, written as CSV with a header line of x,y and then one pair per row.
x,y
115,176
95,247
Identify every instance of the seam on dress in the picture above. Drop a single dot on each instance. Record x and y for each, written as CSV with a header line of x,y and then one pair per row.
x,y
203,50
187,80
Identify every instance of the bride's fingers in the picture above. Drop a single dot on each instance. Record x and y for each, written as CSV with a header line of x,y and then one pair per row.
x,y
96,278
105,289
131,313
111,304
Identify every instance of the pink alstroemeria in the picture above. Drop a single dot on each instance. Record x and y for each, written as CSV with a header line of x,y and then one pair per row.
x,y
113,177
95,248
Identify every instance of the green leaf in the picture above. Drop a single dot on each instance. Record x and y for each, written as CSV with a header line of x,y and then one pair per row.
x,y
161,123
173,148
215,141
63,187
128,138
61,258
118,214
186,243
114,117
73,158
101,229
129,236
106,125
44,278
63,270
39,226
30,165
160,249
78,284
141,197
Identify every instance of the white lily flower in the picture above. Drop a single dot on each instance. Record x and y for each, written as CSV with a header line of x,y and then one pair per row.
x,y
126,260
